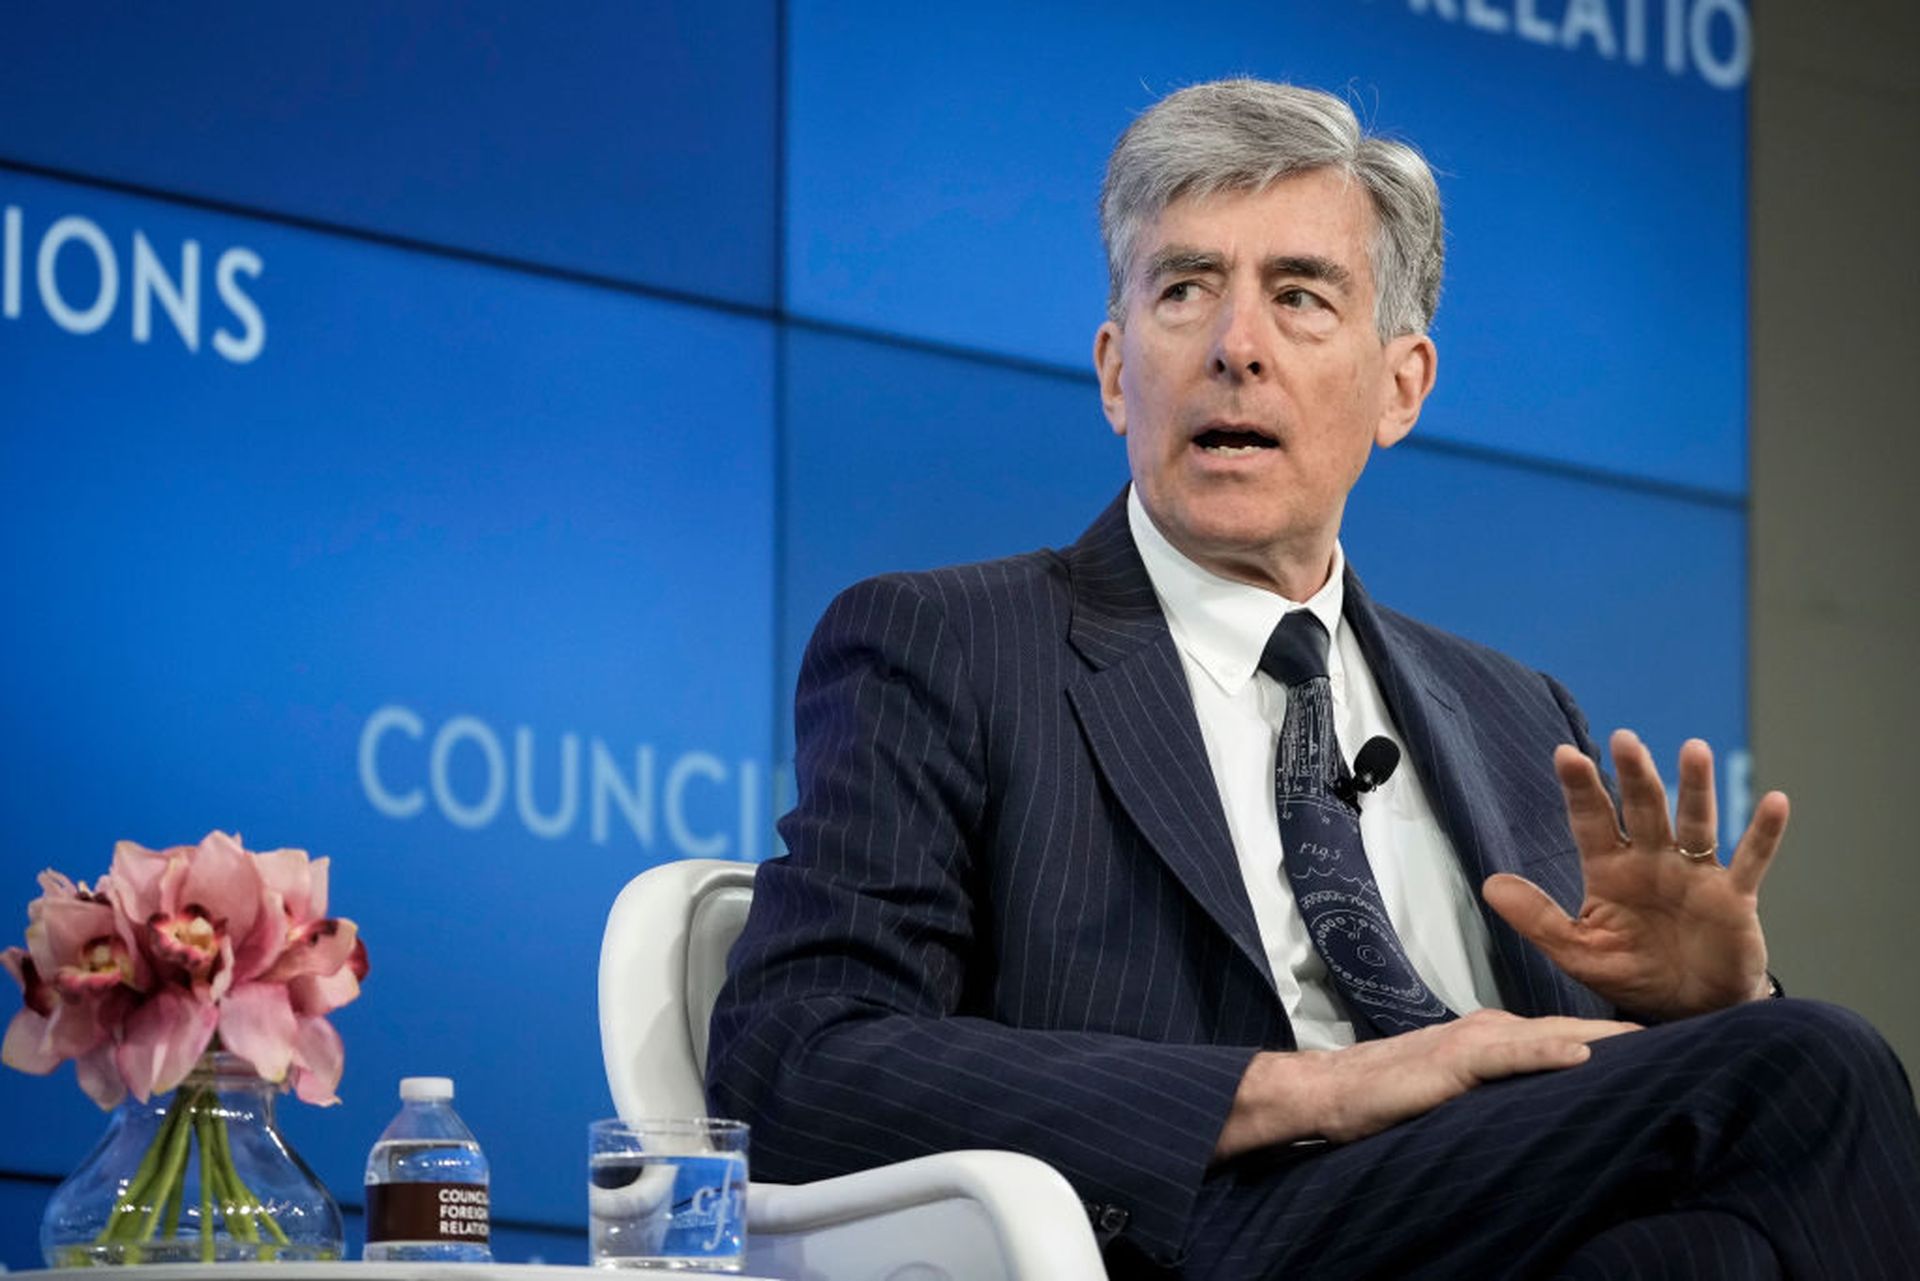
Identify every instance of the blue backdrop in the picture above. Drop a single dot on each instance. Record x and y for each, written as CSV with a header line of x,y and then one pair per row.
x,y
427,435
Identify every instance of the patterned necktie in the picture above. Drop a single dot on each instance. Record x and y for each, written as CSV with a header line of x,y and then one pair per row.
x,y
1324,861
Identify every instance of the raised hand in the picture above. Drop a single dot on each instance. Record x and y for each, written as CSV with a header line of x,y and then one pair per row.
x,y
1665,930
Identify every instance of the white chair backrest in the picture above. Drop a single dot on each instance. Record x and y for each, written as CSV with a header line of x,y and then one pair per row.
x,y
662,961
971,1216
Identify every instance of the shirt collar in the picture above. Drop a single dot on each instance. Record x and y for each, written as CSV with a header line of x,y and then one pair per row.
x,y
1221,624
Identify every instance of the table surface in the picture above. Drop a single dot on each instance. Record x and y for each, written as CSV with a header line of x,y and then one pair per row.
x,y
364,1271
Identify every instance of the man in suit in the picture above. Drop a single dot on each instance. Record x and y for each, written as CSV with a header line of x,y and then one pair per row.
x,y
1081,867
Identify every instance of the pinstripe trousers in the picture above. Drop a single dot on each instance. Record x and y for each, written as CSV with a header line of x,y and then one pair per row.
x,y
1774,1139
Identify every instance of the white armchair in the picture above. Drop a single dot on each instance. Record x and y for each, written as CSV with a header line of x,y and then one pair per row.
x,y
957,1216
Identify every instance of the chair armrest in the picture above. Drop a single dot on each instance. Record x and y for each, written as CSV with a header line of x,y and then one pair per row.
x,y
974,1214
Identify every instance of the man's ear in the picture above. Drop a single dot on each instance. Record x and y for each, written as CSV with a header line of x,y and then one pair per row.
x,y
1412,362
1106,364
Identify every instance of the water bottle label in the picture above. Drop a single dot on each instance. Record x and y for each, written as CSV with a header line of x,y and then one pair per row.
x,y
427,1212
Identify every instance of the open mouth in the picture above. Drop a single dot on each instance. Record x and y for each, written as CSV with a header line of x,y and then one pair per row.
x,y
1229,442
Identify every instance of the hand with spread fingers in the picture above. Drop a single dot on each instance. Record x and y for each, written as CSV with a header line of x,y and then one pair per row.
x,y
1665,931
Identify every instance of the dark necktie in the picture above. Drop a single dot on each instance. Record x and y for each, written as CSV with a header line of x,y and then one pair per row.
x,y
1324,862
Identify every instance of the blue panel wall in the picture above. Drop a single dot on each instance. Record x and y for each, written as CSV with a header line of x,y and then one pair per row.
x,y
943,175
443,502
936,459
1559,569
633,141
1565,573
524,381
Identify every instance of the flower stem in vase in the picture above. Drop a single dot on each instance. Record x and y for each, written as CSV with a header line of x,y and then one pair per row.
x,y
211,1191
256,1214
234,1198
206,1208
170,1216
145,1219
126,1210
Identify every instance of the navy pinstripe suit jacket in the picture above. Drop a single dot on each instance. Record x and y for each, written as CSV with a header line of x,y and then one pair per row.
x,y
1011,914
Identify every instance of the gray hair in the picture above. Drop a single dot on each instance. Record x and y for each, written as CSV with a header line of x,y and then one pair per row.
x,y
1242,135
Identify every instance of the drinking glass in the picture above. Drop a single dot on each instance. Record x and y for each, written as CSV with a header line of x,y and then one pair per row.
x,y
668,1194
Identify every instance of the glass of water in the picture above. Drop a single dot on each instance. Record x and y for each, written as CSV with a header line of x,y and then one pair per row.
x,y
668,1194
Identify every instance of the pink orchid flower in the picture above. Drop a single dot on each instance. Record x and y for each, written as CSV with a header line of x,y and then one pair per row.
x,y
277,1022
186,907
79,979
177,946
197,904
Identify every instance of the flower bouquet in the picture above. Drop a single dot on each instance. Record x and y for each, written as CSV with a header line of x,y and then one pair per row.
x,y
197,980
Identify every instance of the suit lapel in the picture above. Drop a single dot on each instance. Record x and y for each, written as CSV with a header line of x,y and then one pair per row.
x,y
1466,787
1134,705
1137,712
1427,712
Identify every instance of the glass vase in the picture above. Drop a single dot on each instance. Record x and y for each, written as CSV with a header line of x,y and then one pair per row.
x,y
201,1175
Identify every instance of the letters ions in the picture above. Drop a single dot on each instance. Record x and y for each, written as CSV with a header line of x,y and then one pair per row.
x,y
76,272
466,768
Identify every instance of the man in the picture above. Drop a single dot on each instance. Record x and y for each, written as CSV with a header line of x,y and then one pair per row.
x,y
1081,866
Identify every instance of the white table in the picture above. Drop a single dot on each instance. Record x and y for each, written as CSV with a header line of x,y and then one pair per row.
x,y
363,1271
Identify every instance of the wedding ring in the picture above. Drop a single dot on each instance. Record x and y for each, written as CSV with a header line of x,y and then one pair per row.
x,y
1698,856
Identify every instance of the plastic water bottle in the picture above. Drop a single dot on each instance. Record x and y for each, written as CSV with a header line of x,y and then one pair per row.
x,y
427,1182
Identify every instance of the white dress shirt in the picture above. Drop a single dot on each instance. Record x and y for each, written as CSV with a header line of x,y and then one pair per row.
x,y
1220,628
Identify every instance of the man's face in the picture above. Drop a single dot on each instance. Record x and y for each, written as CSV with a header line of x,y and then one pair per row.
x,y
1248,377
